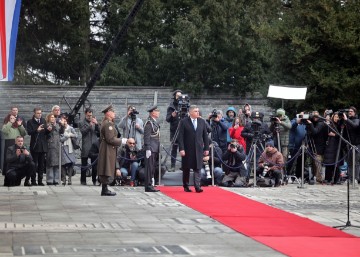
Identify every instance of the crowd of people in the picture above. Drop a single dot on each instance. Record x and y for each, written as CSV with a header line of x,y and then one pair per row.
x,y
221,148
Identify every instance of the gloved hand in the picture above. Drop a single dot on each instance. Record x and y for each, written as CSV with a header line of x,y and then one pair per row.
x,y
123,140
148,154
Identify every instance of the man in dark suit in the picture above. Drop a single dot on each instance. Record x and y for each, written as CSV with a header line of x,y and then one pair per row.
x,y
151,146
90,131
193,146
38,145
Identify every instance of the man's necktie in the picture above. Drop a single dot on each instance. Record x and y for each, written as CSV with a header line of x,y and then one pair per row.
x,y
194,123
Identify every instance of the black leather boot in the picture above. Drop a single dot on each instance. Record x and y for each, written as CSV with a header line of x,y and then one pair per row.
x,y
106,192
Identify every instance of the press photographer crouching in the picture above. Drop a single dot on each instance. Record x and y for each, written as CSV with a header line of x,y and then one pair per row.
x,y
130,161
271,164
235,172
20,164
205,172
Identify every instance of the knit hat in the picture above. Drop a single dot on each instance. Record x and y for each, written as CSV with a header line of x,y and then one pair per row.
x,y
280,112
269,143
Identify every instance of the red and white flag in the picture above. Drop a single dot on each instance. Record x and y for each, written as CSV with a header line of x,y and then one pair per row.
x,y
9,23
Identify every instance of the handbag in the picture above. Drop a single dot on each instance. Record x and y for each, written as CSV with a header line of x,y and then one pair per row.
x,y
75,143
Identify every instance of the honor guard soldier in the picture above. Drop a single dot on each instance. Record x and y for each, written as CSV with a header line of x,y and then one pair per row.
x,y
109,142
152,147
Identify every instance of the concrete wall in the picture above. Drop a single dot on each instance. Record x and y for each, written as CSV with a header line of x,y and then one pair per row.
x,y
27,97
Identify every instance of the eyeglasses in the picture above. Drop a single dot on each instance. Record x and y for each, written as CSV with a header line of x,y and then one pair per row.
x,y
131,143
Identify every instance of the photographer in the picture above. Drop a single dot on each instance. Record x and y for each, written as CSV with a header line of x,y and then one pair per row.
x,y
90,131
132,126
235,172
20,164
351,122
206,169
255,130
318,134
173,117
271,163
296,137
219,128
130,160
280,126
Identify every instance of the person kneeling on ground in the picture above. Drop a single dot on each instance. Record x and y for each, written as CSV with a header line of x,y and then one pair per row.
x,y
235,172
271,163
206,174
20,164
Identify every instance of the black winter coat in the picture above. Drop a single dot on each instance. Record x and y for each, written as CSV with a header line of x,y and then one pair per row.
x,y
38,140
193,142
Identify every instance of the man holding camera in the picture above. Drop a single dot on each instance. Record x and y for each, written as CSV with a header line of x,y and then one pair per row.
x,y
219,128
38,145
90,132
271,163
318,133
280,128
20,164
173,117
235,172
352,124
132,126
130,160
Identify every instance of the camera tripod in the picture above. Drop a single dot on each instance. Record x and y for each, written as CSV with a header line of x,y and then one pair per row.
x,y
253,155
353,149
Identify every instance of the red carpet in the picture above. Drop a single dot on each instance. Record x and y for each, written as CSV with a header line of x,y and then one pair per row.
x,y
283,231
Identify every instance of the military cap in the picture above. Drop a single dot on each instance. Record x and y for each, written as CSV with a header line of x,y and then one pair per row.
x,y
152,108
109,108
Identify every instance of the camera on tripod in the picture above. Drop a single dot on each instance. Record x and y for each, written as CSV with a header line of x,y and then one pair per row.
x,y
183,105
133,114
207,169
273,118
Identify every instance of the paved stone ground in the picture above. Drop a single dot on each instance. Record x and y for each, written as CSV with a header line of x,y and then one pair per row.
x,y
76,221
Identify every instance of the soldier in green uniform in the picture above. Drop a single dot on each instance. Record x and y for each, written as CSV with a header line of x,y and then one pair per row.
x,y
109,143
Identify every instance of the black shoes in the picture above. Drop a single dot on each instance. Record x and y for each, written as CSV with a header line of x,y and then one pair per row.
x,y
27,184
83,183
187,189
106,192
41,184
198,190
34,184
151,189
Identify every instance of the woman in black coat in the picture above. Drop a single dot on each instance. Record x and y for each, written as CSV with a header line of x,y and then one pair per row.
x,y
331,150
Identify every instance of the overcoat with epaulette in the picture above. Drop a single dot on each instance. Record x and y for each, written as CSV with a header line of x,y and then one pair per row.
x,y
109,142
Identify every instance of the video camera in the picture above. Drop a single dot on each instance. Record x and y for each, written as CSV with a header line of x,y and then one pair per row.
x,y
329,112
341,113
214,114
273,118
304,117
133,114
183,105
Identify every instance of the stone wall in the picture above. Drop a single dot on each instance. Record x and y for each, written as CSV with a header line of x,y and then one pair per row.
x,y
27,97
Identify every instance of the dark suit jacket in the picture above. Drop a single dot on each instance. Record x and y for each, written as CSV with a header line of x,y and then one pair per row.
x,y
38,141
193,142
